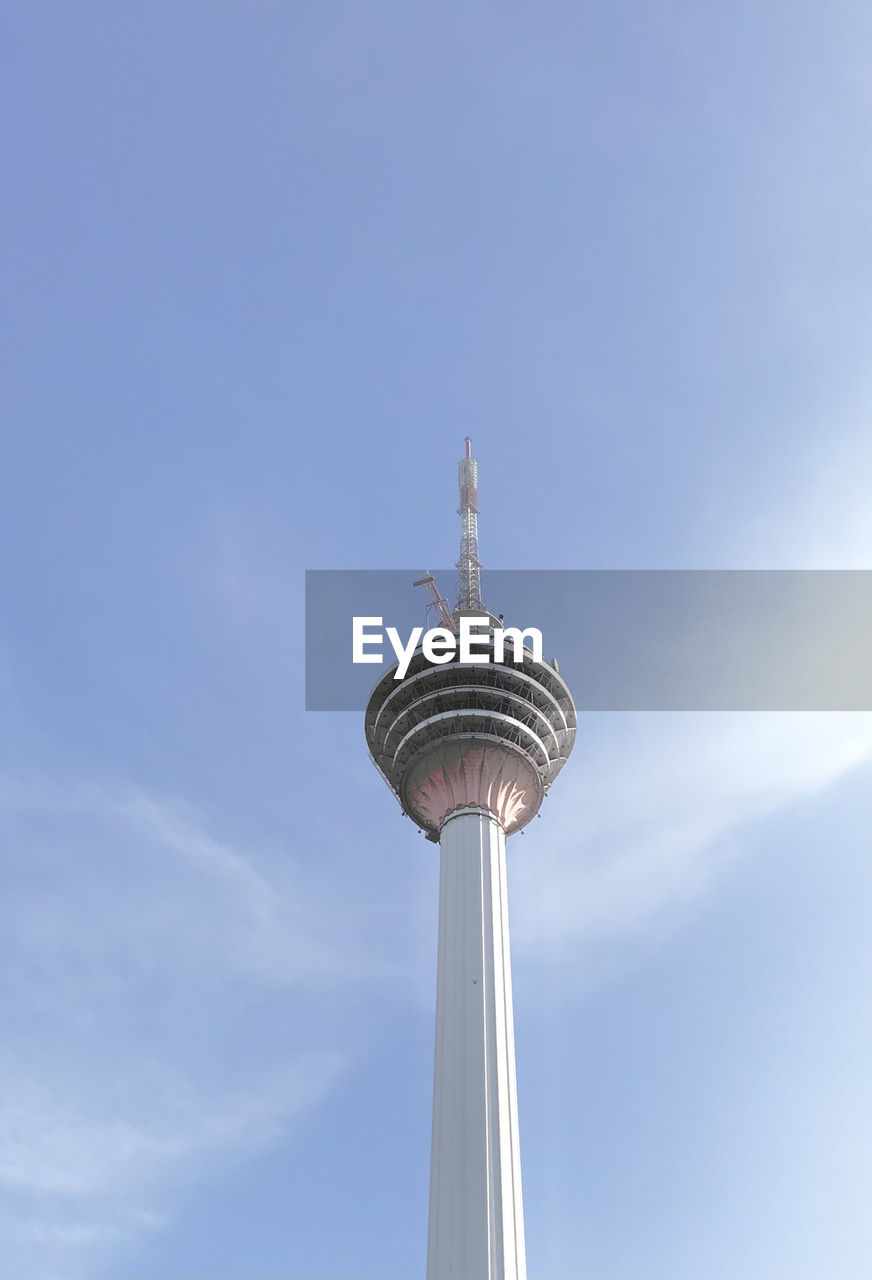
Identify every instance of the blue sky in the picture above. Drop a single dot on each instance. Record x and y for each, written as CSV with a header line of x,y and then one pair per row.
x,y
264,267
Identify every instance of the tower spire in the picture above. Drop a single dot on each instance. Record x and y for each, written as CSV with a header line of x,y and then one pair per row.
x,y
469,565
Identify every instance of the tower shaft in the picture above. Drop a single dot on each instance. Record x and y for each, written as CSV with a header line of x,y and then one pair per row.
x,y
476,1217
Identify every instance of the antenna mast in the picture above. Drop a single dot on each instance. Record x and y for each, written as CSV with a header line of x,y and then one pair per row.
x,y
469,565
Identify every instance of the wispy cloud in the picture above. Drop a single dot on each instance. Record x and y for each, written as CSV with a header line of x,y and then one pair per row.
x,y
82,1172
607,870
133,943
136,866
646,823
57,1135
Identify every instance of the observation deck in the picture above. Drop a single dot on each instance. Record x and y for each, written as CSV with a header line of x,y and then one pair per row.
x,y
463,735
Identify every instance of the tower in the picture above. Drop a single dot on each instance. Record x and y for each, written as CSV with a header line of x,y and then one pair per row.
x,y
470,751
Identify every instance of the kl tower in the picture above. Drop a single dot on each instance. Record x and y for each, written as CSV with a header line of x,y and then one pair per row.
x,y
470,751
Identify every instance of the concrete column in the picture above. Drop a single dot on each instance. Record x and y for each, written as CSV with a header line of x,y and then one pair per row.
x,y
476,1214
